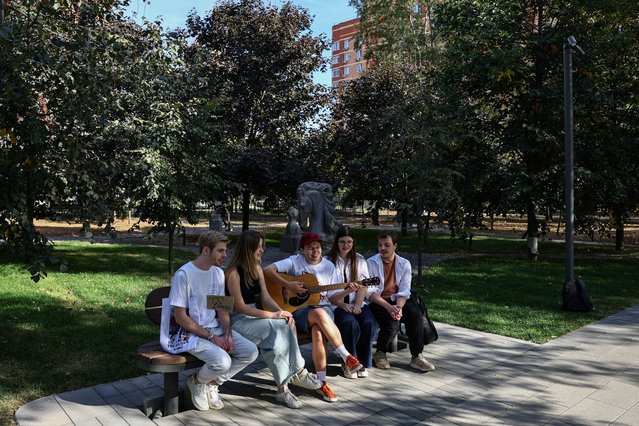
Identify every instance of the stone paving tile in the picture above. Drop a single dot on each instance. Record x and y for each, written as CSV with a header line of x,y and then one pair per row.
x,y
618,394
106,390
44,411
567,393
124,386
629,418
83,404
591,412
112,420
530,412
630,376
474,411
143,382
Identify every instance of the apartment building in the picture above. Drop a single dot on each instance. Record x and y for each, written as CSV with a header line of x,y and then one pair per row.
x,y
347,62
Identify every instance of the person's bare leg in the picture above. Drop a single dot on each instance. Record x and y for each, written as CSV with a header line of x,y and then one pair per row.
x,y
320,318
319,348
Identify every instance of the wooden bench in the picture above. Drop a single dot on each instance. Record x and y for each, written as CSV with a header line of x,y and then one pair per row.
x,y
152,358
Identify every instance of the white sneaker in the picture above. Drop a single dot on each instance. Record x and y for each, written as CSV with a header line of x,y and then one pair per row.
x,y
198,393
362,373
421,363
306,380
349,374
215,402
288,398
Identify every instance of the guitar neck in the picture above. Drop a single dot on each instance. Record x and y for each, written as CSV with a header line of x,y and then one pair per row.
x,y
320,288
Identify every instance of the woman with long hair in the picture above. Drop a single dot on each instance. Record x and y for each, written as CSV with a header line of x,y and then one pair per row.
x,y
353,316
259,319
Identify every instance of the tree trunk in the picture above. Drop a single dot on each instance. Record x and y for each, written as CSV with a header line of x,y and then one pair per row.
x,y
375,214
532,232
246,209
171,229
404,221
619,230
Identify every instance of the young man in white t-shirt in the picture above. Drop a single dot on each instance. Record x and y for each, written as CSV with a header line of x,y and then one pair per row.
x,y
315,320
224,351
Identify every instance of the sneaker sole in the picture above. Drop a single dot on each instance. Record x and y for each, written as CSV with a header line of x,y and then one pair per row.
x,y
424,369
356,369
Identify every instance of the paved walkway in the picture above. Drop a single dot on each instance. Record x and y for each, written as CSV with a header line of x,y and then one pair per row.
x,y
590,376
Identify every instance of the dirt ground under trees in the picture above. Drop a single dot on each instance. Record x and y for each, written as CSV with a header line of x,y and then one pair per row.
x,y
507,226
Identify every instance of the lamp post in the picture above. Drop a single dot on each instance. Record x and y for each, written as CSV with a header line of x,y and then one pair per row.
x,y
570,46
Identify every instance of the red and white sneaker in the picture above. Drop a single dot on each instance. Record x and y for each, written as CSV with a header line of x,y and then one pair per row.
x,y
327,393
352,365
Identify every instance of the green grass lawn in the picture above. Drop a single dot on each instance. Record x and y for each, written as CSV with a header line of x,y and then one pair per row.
x,y
76,329
82,328
522,299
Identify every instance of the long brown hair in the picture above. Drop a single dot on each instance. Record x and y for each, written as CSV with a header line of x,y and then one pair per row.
x,y
344,231
243,257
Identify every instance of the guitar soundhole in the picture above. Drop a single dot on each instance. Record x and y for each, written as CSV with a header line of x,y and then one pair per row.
x,y
298,300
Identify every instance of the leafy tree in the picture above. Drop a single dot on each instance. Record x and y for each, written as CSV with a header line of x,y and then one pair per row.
x,y
505,60
55,81
607,152
257,59
396,31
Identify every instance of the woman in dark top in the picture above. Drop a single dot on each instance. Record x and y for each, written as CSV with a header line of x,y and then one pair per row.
x,y
259,319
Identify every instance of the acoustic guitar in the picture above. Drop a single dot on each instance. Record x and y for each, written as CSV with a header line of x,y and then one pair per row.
x,y
292,302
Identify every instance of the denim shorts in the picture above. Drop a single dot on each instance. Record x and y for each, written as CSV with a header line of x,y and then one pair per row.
x,y
301,316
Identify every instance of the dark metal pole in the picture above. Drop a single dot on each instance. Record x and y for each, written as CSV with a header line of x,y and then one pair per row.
x,y
1,11
570,173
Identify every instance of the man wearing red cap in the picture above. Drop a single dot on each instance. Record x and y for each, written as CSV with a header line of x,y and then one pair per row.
x,y
315,320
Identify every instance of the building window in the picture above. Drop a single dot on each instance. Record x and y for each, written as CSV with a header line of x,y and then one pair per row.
x,y
345,71
335,46
345,42
360,68
335,59
346,57
359,55
335,73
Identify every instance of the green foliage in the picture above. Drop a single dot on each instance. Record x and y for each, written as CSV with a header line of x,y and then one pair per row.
x,y
258,60
57,79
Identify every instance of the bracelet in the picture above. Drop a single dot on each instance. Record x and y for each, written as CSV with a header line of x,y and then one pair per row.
x,y
210,336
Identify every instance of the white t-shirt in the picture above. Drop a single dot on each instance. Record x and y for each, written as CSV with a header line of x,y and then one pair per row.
x,y
324,271
203,283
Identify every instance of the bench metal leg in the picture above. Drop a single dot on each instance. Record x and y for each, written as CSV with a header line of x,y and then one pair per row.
x,y
171,393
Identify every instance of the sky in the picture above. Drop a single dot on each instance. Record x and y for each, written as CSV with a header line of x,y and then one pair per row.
x,y
173,13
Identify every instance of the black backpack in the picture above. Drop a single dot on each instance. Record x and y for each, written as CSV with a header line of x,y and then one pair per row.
x,y
430,332
575,296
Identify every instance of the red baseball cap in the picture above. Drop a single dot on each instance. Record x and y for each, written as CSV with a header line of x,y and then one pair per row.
x,y
309,237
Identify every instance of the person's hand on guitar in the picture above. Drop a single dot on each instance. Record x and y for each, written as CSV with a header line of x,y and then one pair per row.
x,y
296,287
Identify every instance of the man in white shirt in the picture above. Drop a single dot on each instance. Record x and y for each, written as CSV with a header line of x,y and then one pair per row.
x,y
224,351
392,304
